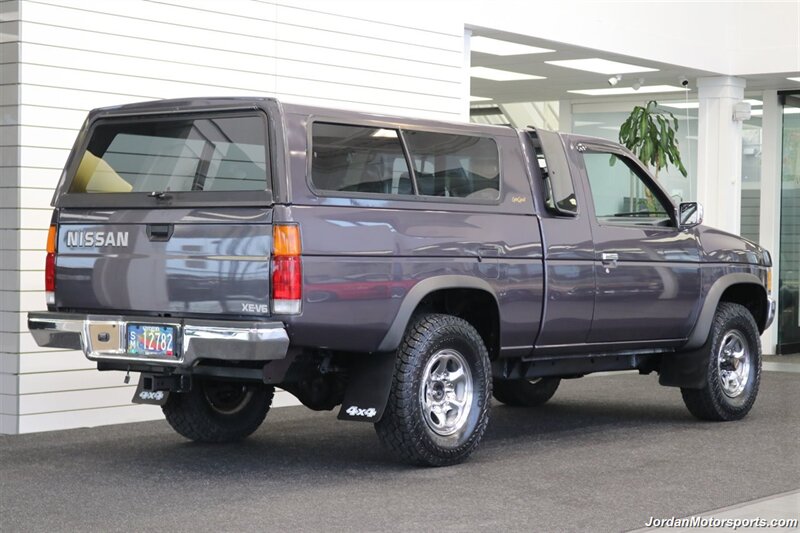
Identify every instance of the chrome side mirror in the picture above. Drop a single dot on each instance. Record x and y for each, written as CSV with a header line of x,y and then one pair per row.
x,y
690,214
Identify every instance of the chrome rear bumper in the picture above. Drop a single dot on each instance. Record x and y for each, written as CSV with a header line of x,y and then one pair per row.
x,y
199,339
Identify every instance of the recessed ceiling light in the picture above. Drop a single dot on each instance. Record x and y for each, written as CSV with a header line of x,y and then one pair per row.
x,y
601,66
497,47
793,79
478,99
680,105
500,75
695,104
612,91
786,111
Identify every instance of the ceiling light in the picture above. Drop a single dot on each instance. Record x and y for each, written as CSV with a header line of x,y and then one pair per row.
x,y
638,85
614,80
793,79
695,104
478,99
487,45
629,90
786,111
601,66
680,105
390,134
500,75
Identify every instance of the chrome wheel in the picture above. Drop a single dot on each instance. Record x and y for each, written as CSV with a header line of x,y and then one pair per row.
x,y
446,392
733,363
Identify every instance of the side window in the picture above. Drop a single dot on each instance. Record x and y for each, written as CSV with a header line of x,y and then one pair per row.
x,y
619,193
358,159
458,166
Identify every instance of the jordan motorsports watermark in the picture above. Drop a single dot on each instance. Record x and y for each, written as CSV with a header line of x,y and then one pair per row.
x,y
727,523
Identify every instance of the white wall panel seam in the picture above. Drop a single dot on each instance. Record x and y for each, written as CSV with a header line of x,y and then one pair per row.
x,y
392,87
424,50
305,8
27,45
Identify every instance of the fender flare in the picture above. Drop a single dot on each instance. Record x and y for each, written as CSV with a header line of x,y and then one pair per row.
x,y
702,328
417,293
688,368
370,380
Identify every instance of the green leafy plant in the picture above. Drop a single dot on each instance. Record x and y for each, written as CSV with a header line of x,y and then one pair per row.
x,y
650,134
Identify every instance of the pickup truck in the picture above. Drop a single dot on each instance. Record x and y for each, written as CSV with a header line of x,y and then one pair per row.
x,y
406,270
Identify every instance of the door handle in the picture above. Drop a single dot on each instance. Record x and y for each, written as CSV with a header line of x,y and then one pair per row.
x,y
609,259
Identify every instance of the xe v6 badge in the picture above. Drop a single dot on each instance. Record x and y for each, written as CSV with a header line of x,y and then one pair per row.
x,y
255,308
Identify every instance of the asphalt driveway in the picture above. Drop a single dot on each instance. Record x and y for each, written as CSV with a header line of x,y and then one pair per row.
x,y
605,454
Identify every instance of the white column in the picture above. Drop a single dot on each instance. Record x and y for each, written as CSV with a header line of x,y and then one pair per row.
x,y
770,208
719,154
466,89
565,116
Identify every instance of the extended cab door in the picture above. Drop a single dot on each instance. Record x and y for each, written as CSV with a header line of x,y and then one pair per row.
x,y
568,248
647,270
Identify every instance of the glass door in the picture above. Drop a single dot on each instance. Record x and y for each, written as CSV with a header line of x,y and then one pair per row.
x,y
789,278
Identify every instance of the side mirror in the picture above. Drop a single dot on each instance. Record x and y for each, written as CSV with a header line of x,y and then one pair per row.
x,y
690,214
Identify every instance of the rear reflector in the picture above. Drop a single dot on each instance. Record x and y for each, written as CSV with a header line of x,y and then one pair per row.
x,y
287,270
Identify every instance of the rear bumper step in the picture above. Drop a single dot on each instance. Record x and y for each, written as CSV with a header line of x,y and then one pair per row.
x,y
220,340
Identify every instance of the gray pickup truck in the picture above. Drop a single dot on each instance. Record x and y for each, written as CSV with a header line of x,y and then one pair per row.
x,y
405,270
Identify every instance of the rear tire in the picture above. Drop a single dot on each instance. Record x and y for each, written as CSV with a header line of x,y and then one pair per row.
x,y
218,411
438,406
734,367
525,393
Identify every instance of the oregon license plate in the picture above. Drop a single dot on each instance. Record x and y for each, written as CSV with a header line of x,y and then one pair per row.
x,y
151,340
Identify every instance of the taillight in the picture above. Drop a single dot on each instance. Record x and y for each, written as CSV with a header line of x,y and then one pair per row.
x,y
50,267
287,269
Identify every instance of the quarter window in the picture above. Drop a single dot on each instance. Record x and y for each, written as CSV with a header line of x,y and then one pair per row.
x,y
621,195
458,166
358,159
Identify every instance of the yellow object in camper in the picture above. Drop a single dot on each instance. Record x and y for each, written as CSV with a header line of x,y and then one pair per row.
x,y
95,175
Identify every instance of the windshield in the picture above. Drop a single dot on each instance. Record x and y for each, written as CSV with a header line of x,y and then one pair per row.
x,y
195,153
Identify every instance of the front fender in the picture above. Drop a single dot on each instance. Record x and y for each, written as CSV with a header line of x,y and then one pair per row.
x,y
702,328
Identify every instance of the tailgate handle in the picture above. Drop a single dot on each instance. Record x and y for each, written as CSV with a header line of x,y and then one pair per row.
x,y
159,232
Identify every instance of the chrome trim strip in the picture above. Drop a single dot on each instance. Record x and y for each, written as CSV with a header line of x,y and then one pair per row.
x,y
771,309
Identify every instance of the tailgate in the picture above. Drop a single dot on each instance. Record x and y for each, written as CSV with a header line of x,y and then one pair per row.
x,y
178,262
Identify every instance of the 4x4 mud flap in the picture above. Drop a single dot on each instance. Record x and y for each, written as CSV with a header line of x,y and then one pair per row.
x,y
369,383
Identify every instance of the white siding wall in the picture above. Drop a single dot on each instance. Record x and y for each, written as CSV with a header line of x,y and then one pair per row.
x,y
74,55
9,215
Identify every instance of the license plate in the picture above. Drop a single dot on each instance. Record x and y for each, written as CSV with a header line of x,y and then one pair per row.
x,y
151,340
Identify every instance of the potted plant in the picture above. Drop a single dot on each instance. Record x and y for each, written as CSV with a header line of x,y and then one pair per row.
x,y
650,134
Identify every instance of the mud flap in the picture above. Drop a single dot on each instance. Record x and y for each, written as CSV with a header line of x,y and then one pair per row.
x,y
368,387
158,397
688,370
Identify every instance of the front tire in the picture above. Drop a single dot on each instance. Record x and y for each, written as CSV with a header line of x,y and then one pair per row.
x,y
525,393
218,411
734,367
438,407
